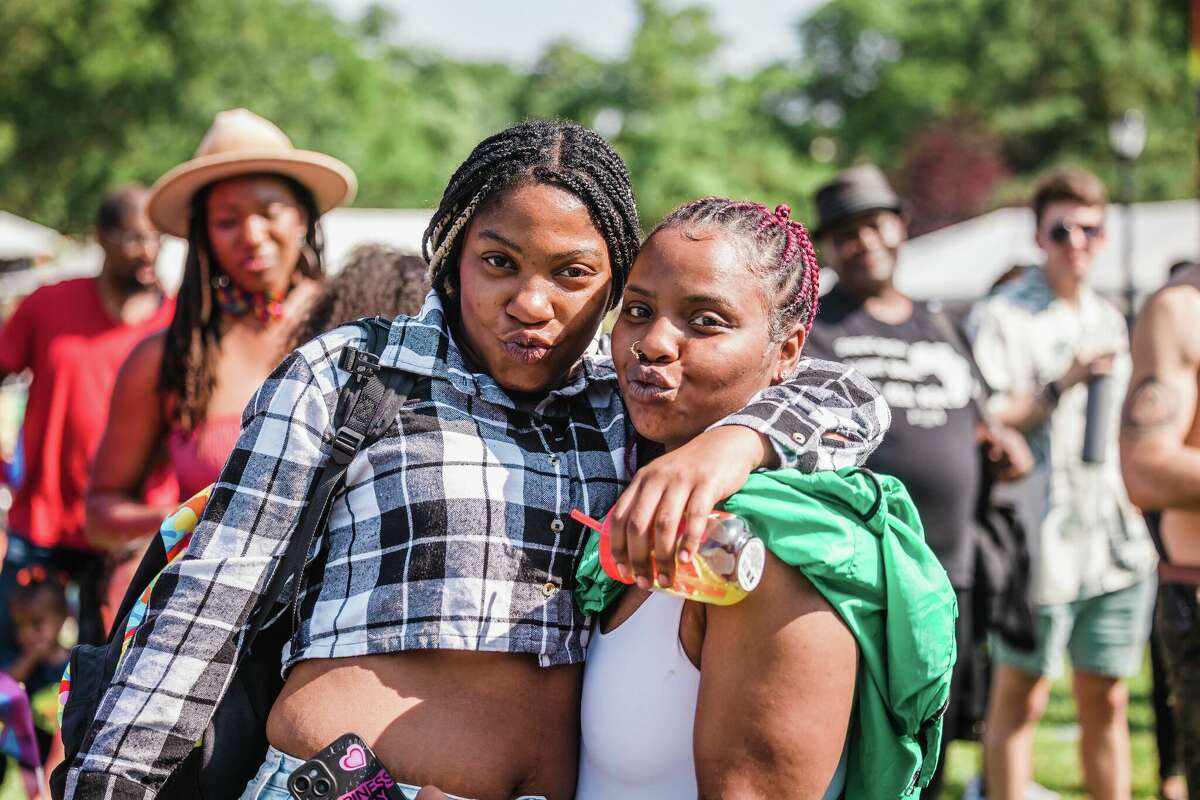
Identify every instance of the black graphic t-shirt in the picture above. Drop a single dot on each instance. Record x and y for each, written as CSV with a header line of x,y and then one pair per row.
x,y
931,446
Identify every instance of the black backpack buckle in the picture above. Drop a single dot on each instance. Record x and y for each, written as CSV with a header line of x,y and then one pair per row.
x,y
346,443
358,362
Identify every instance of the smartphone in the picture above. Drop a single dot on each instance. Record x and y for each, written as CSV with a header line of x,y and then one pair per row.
x,y
345,770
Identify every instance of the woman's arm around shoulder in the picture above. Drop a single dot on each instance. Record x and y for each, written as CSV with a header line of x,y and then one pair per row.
x,y
776,691
828,415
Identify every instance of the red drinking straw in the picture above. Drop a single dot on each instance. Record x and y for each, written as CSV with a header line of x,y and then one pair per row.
x,y
607,563
584,519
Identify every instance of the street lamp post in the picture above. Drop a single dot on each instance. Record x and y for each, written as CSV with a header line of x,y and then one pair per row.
x,y
1127,136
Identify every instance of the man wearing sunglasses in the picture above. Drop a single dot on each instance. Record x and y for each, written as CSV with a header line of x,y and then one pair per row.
x,y
1042,339
73,337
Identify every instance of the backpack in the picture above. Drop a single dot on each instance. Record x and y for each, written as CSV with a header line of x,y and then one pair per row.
x,y
1007,517
234,743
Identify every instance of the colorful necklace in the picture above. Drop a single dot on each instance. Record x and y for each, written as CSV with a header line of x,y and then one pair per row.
x,y
234,301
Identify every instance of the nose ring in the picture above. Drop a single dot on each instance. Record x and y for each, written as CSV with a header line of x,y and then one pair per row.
x,y
638,354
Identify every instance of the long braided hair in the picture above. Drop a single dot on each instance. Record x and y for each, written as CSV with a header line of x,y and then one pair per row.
x,y
775,247
187,375
554,152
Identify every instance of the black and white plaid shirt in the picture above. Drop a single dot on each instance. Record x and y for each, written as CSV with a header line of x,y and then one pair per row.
x,y
453,531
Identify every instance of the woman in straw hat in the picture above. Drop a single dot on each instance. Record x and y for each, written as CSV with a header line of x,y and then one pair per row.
x,y
248,204
437,620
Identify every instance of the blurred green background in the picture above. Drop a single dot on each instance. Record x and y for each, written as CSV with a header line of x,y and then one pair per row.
x,y
961,101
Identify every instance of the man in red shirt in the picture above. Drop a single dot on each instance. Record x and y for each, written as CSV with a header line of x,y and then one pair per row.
x,y
73,336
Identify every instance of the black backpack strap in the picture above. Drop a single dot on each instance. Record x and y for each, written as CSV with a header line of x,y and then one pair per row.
x,y
368,403
366,406
154,560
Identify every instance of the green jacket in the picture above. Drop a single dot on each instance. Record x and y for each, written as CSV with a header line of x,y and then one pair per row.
x,y
858,539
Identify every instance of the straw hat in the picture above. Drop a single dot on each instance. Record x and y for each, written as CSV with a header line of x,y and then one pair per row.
x,y
241,143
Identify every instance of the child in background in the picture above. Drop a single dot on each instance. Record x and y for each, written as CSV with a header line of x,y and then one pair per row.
x,y
45,632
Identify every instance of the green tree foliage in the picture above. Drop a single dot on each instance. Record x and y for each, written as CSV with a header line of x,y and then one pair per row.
x,y
1043,76
95,92
685,128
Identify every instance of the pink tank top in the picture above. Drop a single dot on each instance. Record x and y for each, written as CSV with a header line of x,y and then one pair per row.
x,y
198,457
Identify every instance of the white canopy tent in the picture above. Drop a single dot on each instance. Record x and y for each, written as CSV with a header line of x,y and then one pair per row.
x,y
22,238
959,263
344,229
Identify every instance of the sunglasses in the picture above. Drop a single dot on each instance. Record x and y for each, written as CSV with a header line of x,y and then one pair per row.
x,y
1061,232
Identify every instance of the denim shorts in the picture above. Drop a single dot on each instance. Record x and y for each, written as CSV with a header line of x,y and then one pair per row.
x,y
271,781
1105,635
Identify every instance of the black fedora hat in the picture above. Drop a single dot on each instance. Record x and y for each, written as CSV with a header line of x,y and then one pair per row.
x,y
854,191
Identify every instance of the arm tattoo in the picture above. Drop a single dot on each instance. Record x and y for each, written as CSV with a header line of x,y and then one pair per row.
x,y
1149,407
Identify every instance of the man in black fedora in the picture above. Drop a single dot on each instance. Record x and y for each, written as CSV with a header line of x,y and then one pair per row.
x,y
914,354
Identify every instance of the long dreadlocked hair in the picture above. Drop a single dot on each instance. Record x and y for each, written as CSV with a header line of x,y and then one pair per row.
x,y
187,373
776,248
553,152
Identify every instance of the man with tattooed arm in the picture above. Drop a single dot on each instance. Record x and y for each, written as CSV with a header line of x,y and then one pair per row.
x,y
1160,460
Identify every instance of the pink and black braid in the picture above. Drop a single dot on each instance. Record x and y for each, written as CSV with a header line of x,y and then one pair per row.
x,y
776,247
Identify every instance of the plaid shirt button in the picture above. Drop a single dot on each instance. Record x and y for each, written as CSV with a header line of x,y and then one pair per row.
x,y
548,588
557,526
554,459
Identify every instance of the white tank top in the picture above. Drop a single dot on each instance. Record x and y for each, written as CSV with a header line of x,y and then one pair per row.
x,y
639,704
639,707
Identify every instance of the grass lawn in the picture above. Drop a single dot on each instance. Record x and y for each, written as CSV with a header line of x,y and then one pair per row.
x,y
1056,759
1056,762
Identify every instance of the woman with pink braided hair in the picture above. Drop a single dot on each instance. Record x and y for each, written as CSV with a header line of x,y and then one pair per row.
x,y
763,698
729,242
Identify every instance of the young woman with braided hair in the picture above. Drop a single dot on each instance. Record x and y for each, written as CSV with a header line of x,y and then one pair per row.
x,y
718,305
684,699
436,619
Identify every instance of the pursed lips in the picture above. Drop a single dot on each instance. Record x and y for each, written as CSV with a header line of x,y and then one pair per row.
x,y
649,384
527,347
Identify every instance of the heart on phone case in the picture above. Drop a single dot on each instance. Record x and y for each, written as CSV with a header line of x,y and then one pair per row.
x,y
355,758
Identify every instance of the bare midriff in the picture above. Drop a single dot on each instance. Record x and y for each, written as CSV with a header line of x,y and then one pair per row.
x,y
483,725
